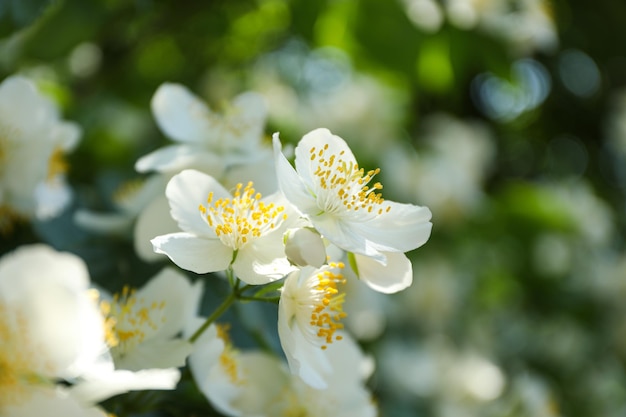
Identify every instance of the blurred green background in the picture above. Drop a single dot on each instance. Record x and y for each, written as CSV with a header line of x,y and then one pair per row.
x,y
506,118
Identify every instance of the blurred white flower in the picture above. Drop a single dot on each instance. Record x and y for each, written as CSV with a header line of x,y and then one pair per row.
x,y
326,87
435,295
220,230
456,379
257,384
33,143
345,395
208,141
591,215
228,147
332,192
527,25
50,329
145,325
142,213
448,174
425,14
236,383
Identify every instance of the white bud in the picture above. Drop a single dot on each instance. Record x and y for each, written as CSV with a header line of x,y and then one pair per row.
x,y
304,246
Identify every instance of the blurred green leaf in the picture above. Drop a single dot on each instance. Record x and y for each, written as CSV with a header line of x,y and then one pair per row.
x,y
18,14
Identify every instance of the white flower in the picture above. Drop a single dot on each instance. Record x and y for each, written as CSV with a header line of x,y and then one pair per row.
x,y
136,201
220,230
208,141
236,383
50,329
33,141
448,175
257,384
345,395
145,324
330,189
310,311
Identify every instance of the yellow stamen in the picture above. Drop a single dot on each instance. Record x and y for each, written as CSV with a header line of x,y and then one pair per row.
x,y
328,312
347,182
240,219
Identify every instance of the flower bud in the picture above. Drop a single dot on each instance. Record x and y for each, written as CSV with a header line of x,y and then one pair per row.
x,y
304,246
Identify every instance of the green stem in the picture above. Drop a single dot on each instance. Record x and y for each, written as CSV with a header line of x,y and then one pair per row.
x,y
218,312
273,300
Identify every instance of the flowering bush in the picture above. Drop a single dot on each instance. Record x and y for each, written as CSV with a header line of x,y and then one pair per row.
x,y
268,208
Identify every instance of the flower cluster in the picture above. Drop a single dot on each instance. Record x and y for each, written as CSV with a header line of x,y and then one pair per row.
x,y
321,224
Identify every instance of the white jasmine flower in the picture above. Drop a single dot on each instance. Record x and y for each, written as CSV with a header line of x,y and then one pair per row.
x,y
257,384
332,192
207,141
50,329
345,395
145,325
310,312
220,230
236,383
33,142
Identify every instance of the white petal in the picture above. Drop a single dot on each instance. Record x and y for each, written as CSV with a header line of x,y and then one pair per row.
x,y
105,223
21,103
305,359
207,348
154,220
51,402
349,364
265,380
261,171
391,278
405,227
180,114
102,386
318,139
62,319
262,261
193,253
290,183
186,192
174,158
158,354
51,197
345,234
66,135
180,297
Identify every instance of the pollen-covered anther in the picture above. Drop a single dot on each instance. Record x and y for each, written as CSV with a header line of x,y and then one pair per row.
x,y
128,318
346,182
327,312
243,217
229,357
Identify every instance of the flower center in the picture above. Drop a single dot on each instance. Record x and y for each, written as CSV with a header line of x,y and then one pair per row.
x,y
128,191
244,217
228,357
327,303
127,319
57,164
18,358
344,184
